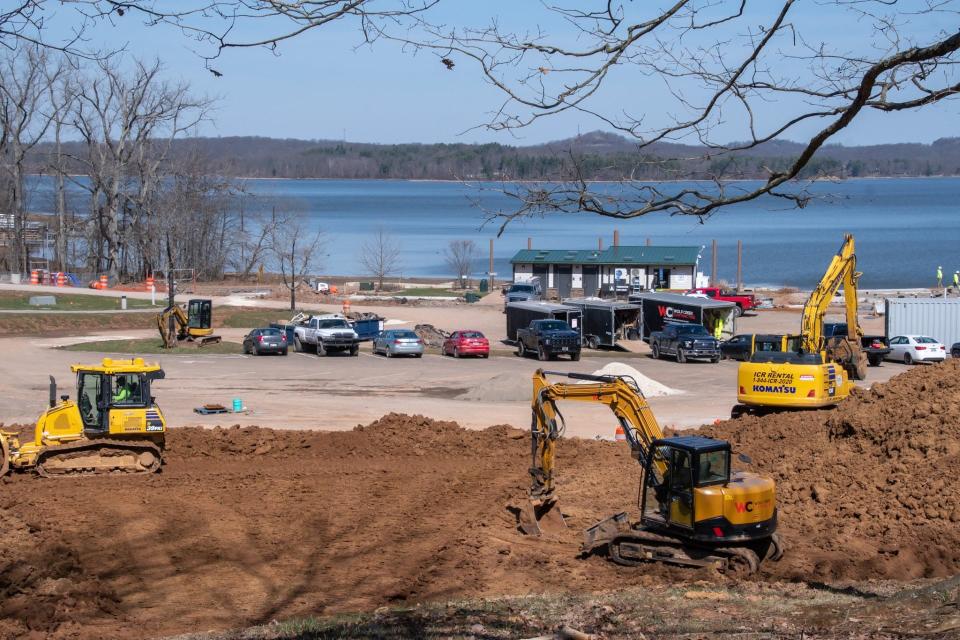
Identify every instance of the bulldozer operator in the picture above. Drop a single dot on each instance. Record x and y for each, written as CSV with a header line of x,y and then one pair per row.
x,y
124,390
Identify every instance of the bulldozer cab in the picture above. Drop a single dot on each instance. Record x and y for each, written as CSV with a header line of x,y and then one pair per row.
x,y
113,385
690,462
199,314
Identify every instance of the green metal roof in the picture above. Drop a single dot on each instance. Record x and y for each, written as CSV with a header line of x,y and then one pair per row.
x,y
652,255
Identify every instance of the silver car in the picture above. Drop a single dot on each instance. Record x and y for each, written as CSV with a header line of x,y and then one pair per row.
x,y
398,342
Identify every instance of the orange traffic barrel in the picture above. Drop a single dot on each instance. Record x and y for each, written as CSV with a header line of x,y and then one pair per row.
x,y
61,279
149,283
34,277
104,282
620,435
346,307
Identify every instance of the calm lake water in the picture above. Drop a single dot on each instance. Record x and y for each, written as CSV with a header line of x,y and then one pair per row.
x,y
904,228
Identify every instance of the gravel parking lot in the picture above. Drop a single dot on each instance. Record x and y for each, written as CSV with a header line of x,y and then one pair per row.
x,y
305,391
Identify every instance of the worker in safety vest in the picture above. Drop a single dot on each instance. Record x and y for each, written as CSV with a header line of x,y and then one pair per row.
x,y
123,393
718,329
939,277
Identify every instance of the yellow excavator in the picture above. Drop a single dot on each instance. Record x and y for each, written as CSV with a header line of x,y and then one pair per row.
x,y
193,325
114,425
809,371
694,510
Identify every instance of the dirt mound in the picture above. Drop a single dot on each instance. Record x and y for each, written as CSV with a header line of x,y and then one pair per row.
x,y
869,489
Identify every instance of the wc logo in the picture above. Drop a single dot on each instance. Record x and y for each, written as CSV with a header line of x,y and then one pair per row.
x,y
676,314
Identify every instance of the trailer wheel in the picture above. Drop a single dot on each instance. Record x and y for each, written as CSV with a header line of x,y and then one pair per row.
x,y
592,342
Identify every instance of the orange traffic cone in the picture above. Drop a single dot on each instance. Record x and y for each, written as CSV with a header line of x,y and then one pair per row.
x,y
620,435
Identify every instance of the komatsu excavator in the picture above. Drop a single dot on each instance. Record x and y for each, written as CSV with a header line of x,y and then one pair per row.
x,y
193,325
818,372
114,425
694,510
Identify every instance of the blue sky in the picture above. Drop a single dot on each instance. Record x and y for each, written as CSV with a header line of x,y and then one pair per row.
x,y
324,84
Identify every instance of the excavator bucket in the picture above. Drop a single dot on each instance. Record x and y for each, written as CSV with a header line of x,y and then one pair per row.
x,y
541,517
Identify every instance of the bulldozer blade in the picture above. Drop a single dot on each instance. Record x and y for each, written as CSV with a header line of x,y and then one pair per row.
x,y
539,517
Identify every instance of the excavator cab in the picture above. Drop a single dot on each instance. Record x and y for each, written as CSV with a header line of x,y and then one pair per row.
x,y
199,314
689,463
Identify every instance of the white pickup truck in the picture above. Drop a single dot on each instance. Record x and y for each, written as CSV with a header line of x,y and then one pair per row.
x,y
326,334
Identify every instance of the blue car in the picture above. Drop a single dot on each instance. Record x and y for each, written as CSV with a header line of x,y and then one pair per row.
x,y
398,342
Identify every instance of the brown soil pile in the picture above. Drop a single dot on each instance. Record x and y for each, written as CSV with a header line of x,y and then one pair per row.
x,y
247,525
869,489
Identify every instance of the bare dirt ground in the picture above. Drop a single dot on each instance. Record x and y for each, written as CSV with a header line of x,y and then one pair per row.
x,y
247,525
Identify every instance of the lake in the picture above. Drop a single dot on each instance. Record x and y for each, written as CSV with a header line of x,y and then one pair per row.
x,y
904,227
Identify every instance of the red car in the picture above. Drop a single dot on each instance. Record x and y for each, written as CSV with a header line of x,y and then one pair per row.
x,y
466,343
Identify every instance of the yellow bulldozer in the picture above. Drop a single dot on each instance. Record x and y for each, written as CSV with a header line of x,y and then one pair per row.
x,y
113,426
193,325
694,510
809,370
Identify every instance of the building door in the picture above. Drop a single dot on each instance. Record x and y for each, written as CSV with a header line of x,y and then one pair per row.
x,y
661,278
591,280
564,280
540,272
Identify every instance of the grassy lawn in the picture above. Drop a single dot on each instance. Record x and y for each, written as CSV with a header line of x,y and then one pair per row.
x,y
16,301
151,346
240,318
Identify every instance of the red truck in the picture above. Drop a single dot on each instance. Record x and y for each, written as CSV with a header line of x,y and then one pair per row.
x,y
744,301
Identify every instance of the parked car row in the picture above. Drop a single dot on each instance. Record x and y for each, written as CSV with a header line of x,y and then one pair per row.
x,y
390,343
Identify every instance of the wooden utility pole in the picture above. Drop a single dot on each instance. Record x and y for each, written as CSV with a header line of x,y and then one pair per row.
x,y
739,265
600,243
529,242
713,266
490,272
616,237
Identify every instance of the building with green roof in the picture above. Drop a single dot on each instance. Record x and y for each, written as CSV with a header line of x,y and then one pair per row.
x,y
604,272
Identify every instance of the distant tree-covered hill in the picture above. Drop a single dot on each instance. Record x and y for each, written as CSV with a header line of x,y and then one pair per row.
x,y
598,156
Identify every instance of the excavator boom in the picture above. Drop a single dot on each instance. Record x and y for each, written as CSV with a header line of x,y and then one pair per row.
x,y
624,398
841,272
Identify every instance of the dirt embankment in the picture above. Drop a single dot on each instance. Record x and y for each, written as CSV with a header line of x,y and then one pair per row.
x,y
248,525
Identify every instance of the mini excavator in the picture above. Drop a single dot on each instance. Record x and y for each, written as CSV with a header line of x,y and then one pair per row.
x,y
193,325
694,510
809,371
114,426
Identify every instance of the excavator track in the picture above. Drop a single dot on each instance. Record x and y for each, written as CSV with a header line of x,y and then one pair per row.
x,y
632,546
91,457
641,546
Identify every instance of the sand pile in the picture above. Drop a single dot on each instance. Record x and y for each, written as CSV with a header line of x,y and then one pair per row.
x,y
870,488
650,387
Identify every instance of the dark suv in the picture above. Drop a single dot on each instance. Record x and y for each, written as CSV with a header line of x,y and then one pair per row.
x,y
685,341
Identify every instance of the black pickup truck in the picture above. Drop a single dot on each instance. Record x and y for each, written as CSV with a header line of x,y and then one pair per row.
x,y
876,347
548,339
684,341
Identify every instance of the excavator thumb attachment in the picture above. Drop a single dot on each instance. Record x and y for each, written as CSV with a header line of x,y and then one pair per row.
x,y
539,516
